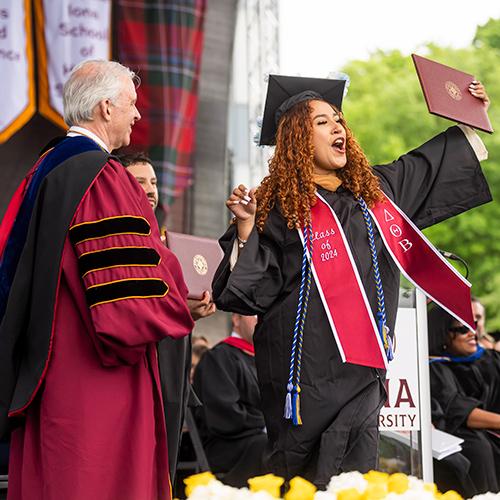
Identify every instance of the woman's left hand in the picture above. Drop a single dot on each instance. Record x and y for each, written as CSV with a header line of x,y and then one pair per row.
x,y
477,89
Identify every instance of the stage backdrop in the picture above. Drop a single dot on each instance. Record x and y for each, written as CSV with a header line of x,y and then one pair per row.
x,y
67,33
163,42
16,64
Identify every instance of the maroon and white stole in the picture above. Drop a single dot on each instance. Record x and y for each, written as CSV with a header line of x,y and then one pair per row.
x,y
341,290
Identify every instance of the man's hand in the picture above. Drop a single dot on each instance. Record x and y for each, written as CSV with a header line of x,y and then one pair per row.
x,y
201,308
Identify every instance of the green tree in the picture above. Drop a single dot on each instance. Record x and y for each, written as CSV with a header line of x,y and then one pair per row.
x,y
488,35
386,109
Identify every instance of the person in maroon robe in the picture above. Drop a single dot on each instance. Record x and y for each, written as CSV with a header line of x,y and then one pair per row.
x,y
87,291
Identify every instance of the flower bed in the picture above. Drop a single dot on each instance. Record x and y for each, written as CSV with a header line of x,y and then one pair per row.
x,y
348,486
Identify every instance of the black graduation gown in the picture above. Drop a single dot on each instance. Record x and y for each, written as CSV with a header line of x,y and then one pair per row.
x,y
459,388
174,361
340,402
451,472
230,420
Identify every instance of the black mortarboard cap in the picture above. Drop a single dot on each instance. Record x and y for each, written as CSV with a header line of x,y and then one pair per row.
x,y
283,92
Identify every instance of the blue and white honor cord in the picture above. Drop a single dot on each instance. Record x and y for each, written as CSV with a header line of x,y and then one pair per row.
x,y
292,401
383,329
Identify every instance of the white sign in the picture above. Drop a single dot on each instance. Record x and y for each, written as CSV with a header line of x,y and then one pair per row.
x,y
16,66
401,412
73,31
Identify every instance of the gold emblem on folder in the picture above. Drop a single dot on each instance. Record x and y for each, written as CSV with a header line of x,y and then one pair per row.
x,y
200,264
453,90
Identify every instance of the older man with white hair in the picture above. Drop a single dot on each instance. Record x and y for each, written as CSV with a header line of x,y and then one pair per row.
x,y
87,289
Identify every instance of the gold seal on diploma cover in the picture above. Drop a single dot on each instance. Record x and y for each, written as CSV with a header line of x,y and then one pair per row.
x,y
200,264
453,90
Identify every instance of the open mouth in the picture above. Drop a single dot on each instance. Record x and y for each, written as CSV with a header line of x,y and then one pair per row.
x,y
339,145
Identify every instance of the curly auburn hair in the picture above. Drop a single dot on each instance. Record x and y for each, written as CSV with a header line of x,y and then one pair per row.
x,y
290,181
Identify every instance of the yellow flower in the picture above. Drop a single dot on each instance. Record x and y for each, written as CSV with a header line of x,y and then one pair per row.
x,y
201,479
269,483
375,491
451,495
349,494
300,489
398,483
376,477
432,488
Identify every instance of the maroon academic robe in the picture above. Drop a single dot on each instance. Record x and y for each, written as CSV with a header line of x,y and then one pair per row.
x,y
95,428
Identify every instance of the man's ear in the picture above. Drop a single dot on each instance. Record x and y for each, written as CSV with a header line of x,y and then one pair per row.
x,y
104,109
235,320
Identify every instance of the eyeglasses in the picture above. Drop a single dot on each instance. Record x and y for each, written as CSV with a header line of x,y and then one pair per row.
x,y
462,330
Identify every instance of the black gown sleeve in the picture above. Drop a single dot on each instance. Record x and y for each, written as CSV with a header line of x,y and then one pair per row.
x,y
438,180
257,279
219,382
455,406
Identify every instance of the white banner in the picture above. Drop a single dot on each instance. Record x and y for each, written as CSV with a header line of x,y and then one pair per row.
x,y
68,32
401,412
16,66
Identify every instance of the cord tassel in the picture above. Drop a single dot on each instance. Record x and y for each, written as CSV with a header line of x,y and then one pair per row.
x,y
390,350
296,419
288,403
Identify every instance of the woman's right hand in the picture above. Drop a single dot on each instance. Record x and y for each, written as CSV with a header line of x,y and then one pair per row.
x,y
243,204
477,89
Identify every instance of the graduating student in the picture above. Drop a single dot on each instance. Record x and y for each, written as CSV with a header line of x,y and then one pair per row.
x,y
325,330
464,381
231,420
88,290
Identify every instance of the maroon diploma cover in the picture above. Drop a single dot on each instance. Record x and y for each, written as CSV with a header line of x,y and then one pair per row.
x,y
199,259
446,92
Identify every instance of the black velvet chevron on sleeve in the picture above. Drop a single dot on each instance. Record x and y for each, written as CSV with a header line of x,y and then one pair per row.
x,y
132,288
110,226
117,257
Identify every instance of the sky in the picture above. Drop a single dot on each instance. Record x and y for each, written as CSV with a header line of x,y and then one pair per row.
x,y
319,36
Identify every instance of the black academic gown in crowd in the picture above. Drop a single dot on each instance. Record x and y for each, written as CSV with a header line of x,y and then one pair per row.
x,y
453,471
340,402
459,388
174,361
230,420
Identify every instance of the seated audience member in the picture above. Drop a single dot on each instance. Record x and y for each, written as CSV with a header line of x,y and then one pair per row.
x,y
230,420
495,335
200,340
464,384
197,352
451,472
484,339
199,346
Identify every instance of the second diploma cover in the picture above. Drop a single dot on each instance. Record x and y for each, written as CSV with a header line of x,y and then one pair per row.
x,y
199,258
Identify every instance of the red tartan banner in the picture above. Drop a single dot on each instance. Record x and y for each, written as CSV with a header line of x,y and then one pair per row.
x,y
162,42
